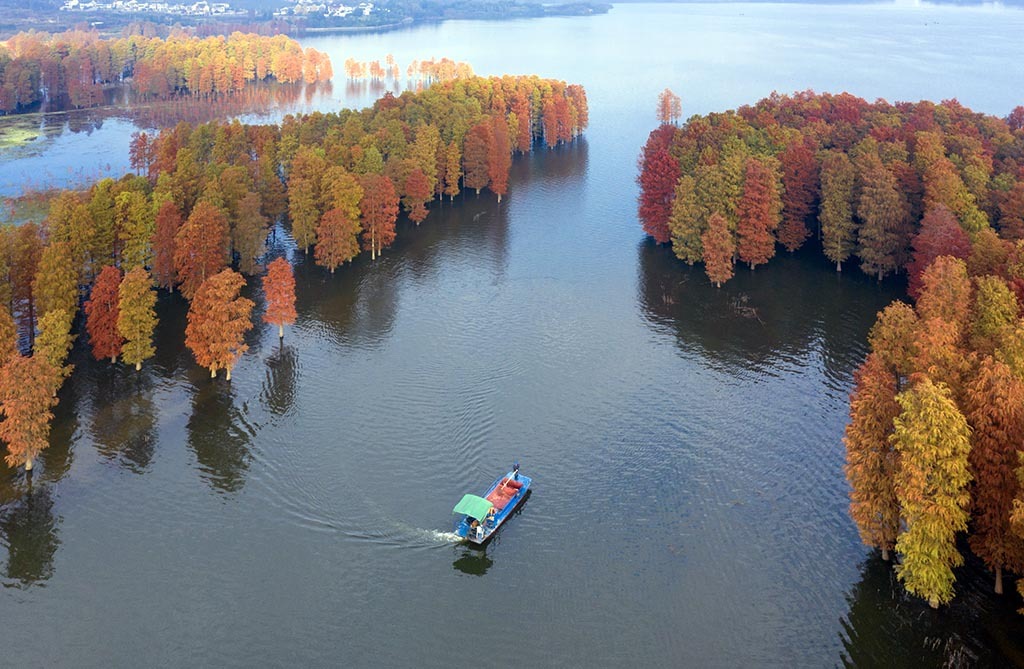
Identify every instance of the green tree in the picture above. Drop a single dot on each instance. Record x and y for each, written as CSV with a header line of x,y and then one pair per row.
x,y
686,224
995,313
881,210
136,225
838,229
304,195
54,343
137,317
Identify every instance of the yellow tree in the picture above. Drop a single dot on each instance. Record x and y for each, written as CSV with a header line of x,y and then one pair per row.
x,y
933,440
56,281
136,317
54,343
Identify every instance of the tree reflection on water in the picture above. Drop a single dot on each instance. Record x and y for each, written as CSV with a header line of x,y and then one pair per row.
x,y
219,435
28,530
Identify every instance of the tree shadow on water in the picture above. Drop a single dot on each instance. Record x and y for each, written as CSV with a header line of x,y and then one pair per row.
x,y
28,530
780,313
278,393
885,626
219,436
123,421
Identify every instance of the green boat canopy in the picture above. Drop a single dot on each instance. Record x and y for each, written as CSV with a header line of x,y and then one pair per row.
x,y
473,506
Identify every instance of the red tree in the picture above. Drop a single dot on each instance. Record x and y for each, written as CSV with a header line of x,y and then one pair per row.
x,y
101,313
758,212
718,250
201,247
800,190
168,222
336,239
1011,213
499,156
417,193
1016,118
380,210
995,410
279,291
940,235
659,172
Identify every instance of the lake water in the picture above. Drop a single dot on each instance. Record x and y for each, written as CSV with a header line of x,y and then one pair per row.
x,y
689,504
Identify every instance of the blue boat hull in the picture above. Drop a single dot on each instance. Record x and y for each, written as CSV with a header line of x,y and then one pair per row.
x,y
463,525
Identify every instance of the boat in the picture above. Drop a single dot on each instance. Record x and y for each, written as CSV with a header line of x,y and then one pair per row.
x,y
480,517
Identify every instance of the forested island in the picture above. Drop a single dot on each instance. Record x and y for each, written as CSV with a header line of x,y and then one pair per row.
x,y
73,69
933,190
202,204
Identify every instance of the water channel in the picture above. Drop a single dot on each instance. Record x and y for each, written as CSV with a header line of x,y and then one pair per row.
x,y
690,505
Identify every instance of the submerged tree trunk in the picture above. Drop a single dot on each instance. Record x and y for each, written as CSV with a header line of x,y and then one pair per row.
x,y
885,554
113,360
280,331
28,464
213,372
229,373
999,580
138,366
839,266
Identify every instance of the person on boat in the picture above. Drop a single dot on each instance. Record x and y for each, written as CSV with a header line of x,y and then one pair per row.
x,y
477,528
490,516
515,471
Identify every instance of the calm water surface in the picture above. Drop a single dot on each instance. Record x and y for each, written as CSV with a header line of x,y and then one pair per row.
x,y
690,506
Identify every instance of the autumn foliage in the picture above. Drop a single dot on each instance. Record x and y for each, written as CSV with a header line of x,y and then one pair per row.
x,y
718,250
200,247
76,65
101,313
217,322
26,400
659,172
279,292
137,317
207,194
870,181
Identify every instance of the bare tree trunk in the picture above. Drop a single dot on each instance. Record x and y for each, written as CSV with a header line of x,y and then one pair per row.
x,y
113,360
229,373
28,464
280,331
999,580
138,366
213,372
